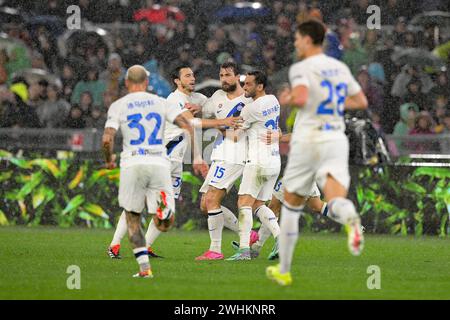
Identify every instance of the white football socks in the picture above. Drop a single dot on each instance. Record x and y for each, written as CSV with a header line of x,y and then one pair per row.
x,y
263,234
215,227
141,256
230,220
121,229
288,236
268,219
152,234
341,210
245,226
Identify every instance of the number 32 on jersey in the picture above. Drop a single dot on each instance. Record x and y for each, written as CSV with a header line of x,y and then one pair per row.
x,y
135,123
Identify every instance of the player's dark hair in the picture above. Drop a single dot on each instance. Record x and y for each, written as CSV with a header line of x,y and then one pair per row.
x,y
314,29
176,72
230,65
260,77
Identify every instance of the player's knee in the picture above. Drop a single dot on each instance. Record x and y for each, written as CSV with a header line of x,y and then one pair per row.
x,y
211,201
293,200
257,205
315,204
275,206
203,207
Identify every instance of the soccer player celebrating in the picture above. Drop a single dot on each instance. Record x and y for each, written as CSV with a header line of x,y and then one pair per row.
x,y
145,167
321,88
263,163
228,160
185,99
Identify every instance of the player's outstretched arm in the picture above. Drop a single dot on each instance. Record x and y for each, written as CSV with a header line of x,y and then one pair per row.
x,y
297,97
108,147
199,164
232,122
357,101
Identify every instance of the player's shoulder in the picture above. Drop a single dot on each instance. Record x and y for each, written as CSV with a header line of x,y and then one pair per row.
x,y
199,98
219,94
297,66
246,100
267,100
175,95
199,95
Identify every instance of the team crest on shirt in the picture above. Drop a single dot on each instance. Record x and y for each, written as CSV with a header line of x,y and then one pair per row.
x,y
220,106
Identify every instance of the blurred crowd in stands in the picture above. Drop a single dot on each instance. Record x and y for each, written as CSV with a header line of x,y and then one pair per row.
x,y
404,99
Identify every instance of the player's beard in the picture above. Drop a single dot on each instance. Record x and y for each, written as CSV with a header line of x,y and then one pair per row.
x,y
189,88
229,87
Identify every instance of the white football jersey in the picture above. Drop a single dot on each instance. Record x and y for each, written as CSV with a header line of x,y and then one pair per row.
x,y
329,82
176,146
219,106
141,117
258,116
178,99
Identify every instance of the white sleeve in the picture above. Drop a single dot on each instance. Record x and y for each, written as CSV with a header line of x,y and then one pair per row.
x,y
248,115
172,111
113,120
208,109
298,76
353,86
203,100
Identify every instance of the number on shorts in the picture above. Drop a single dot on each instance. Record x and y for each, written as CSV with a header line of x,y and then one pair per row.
x,y
177,182
278,186
219,172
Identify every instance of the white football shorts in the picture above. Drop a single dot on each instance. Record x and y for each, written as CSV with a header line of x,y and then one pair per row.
x,y
279,189
140,183
309,163
222,175
259,182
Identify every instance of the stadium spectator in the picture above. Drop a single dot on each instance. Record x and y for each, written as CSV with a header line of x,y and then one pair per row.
x,y
446,123
355,56
55,110
416,95
46,45
68,80
370,45
92,84
75,120
96,119
3,62
408,113
284,44
442,87
423,124
114,75
372,90
146,36
399,32
86,104
392,11
37,93
17,112
403,79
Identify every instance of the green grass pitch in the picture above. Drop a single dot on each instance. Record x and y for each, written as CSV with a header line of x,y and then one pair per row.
x,y
33,264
